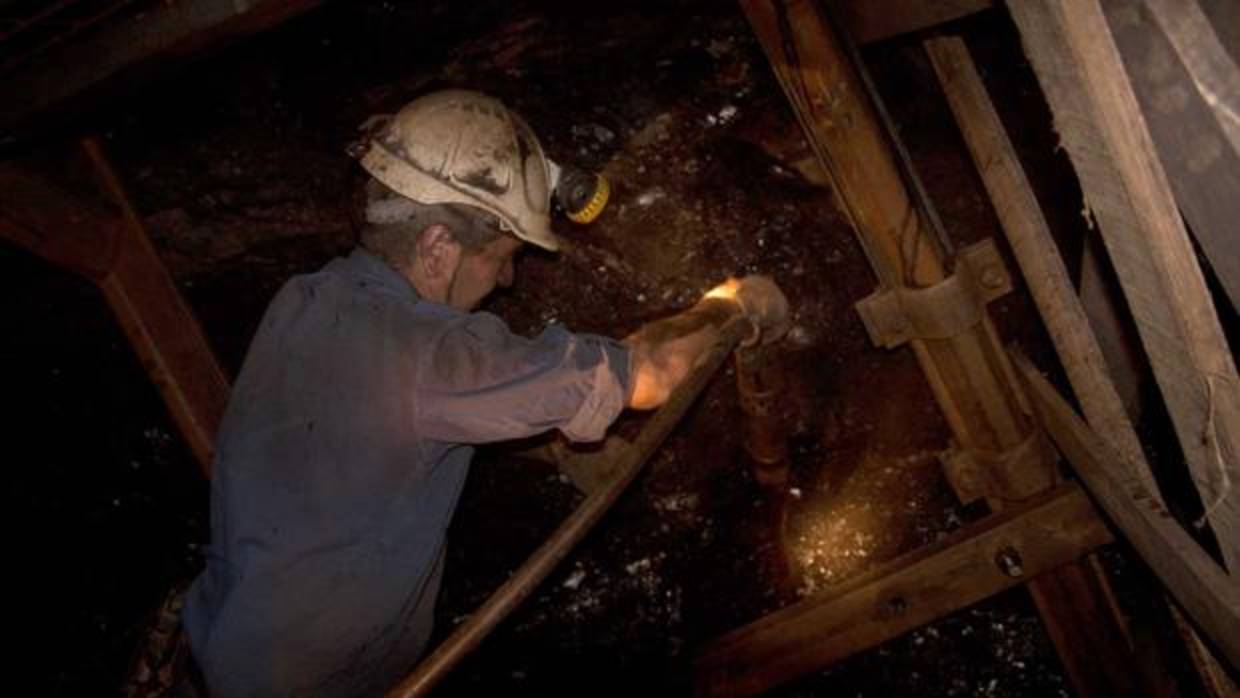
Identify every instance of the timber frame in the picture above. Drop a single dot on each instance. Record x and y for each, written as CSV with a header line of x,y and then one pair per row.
x,y
1101,109
1075,48
1144,94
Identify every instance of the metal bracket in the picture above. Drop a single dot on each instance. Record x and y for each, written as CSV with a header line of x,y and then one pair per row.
x,y
944,310
975,474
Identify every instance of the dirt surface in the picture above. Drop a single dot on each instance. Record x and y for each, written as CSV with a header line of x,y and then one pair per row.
x,y
238,166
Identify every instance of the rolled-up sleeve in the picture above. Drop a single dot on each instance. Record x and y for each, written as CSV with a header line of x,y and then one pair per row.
x,y
479,382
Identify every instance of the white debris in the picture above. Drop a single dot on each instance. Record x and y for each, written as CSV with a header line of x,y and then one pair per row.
x,y
795,492
574,579
677,502
650,196
603,134
641,565
717,48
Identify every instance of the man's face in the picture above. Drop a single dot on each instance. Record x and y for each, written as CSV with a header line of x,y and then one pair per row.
x,y
480,272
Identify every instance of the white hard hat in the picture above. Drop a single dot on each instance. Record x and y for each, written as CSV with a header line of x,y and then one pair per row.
x,y
463,147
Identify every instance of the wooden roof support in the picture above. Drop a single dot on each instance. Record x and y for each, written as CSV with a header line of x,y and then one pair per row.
x,y
875,20
972,564
1189,91
115,253
166,34
970,374
1098,119
1045,273
1210,596
1035,251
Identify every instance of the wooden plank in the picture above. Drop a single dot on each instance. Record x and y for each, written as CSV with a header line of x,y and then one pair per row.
x,y
154,40
1048,280
1113,327
1101,126
929,583
970,375
1203,588
1212,69
160,326
874,20
62,229
115,253
1035,251
843,131
1202,161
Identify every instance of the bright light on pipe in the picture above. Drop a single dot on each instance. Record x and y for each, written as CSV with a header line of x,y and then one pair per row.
x,y
726,290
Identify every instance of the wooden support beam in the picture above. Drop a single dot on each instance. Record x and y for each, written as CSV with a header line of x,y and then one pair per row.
x,y
874,20
56,226
1035,251
164,35
968,566
844,133
1181,75
1044,270
1098,119
114,252
1202,587
970,374
1113,327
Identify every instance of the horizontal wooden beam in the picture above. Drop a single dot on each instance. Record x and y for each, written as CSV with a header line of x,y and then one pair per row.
x,y
875,20
972,564
158,38
1204,590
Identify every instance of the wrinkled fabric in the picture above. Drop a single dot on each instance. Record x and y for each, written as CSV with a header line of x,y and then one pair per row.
x,y
339,463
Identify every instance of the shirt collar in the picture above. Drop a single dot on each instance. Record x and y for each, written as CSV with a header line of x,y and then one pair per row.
x,y
364,265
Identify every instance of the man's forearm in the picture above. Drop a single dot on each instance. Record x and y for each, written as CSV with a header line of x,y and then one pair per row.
x,y
665,350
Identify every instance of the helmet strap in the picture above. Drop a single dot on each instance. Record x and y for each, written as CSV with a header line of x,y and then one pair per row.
x,y
452,280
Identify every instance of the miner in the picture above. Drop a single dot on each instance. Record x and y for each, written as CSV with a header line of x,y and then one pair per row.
x,y
351,426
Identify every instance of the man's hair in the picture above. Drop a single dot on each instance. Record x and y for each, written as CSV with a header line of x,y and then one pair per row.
x,y
394,222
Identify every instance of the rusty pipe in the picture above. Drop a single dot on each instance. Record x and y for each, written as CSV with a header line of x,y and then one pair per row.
x,y
760,383
540,564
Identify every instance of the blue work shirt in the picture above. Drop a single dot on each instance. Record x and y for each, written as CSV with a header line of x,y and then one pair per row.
x,y
339,463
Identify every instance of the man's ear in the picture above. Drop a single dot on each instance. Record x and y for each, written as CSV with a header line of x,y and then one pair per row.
x,y
438,253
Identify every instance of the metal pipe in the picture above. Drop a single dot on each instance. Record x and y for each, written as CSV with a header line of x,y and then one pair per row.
x,y
760,383
541,563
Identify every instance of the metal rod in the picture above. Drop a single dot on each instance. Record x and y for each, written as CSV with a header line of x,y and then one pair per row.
x,y
540,564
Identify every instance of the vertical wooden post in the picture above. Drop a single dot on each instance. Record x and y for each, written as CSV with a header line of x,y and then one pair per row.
x,y
972,379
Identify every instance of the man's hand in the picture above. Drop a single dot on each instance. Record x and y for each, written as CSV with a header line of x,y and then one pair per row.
x,y
666,350
762,303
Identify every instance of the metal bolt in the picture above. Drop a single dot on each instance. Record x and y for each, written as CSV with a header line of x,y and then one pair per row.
x,y
1008,560
896,605
992,277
